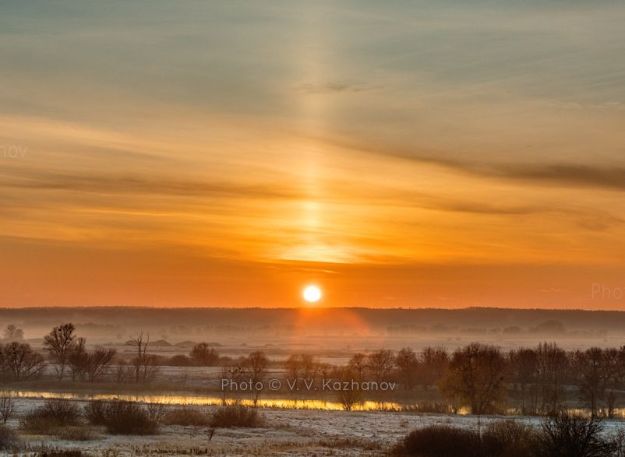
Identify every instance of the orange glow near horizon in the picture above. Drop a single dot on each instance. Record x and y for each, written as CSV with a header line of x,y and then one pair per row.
x,y
395,167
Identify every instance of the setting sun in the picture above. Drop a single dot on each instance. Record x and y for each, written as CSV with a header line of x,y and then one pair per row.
x,y
312,294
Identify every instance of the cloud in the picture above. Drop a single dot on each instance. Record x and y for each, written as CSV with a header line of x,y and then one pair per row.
x,y
599,222
600,176
483,208
134,184
567,174
332,87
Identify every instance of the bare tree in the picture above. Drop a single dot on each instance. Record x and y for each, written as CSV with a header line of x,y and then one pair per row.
x,y
97,362
615,368
476,377
595,370
145,365
433,366
78,360
204,355
407,366
20,362
381,364
349,394
234,371
294,366
524,369
7,406
257,363
59,343
12,333
552,365
124,373
301,368
310,367
358,365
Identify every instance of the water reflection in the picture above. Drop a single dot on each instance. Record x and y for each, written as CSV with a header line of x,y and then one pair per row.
x,y
278,403
201,400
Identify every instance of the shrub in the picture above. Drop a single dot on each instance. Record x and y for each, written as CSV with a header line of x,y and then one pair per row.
x,y
179,361
95,412
155,412
573,436
50,416
7,406
186,416
618,440
509,439
8,438
235,416
502,439
560,436
123,418
438,441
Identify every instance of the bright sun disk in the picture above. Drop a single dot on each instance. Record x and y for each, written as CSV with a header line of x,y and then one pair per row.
x,y
312,294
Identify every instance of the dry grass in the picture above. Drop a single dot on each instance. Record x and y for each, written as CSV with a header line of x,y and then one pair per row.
x,y
60,453
77,433
95,412
186,416
236,416
123,418
8,439
350,443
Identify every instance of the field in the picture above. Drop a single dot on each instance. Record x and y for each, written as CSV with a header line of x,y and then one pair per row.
x,y
285,432
176,365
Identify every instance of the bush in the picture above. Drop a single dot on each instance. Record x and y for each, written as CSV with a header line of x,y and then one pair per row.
x,y
123,418
95,412
186,416
560,436
573,436
179,361
439,441
8,438
155,412
618,440
50,416
509,439
502,439
235,416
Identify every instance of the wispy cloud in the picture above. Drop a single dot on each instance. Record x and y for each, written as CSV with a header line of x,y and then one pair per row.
x,y
333,87
137,184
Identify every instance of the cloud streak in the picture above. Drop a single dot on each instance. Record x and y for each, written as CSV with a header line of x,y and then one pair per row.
x,y
136,184
599,176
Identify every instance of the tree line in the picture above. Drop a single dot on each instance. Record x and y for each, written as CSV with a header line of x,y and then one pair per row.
x,y
482,378
486,379
69,358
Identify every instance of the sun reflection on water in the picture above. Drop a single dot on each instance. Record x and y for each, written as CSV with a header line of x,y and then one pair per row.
x,y
200,400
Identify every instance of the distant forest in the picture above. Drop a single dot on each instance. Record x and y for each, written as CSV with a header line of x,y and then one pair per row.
x,y
553,323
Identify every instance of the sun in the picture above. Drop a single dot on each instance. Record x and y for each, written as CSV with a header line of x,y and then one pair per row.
x,y
312,294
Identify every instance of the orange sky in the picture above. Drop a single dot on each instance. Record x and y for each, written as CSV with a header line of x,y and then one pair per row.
x,y
402,155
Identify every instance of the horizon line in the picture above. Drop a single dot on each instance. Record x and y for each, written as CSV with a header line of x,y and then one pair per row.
x,y
305,308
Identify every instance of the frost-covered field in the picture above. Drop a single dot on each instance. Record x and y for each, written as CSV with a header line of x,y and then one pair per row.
x,y
286,433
